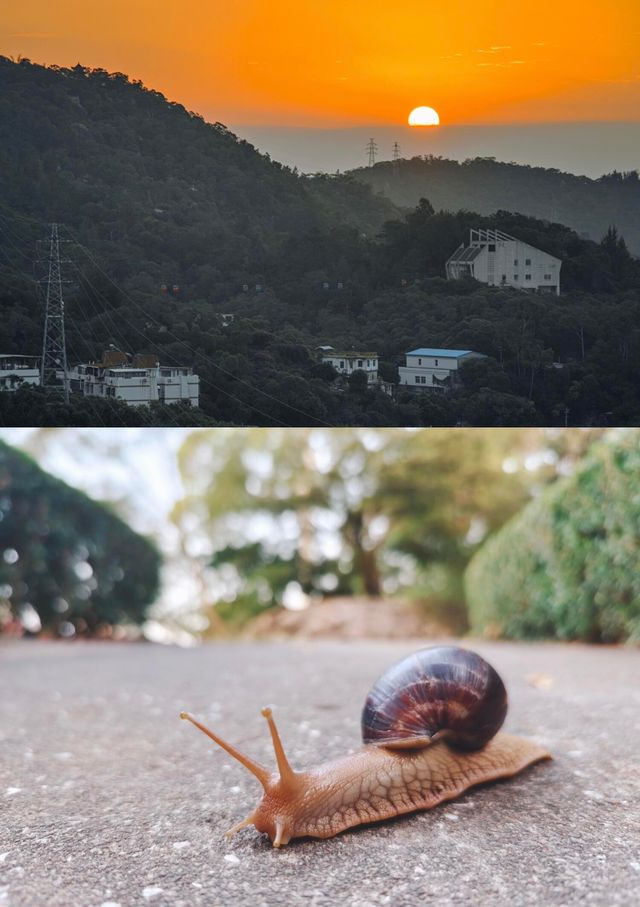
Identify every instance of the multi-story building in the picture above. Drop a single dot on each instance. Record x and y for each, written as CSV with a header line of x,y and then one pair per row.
x,y
499,260
138,380
429,369
17,370
346,363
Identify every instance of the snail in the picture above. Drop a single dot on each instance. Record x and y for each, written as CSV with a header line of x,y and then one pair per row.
x,y
430,731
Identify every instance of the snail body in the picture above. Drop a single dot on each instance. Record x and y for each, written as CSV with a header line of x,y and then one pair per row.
x,y
431,731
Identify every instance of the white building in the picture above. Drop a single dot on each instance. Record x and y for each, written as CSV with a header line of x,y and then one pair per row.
x,y
434,369
138,383
346,363
499,260
17,370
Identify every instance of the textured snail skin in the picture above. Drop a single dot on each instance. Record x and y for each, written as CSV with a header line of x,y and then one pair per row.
x,y
442,691
377,783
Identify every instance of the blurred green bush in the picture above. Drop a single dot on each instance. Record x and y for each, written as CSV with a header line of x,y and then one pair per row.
x,y
66,558
568,565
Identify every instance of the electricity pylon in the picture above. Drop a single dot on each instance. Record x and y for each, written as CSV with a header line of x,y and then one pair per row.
x,y
54,346
396,158
372,150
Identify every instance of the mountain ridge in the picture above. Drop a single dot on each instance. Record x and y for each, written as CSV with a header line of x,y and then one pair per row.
x,y
483,184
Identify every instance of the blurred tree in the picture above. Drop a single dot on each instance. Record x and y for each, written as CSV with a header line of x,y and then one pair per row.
x,y
67,564
362,511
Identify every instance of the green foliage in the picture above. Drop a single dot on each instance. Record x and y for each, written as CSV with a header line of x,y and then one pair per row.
x,y
348,511
69,558
567,566
33,406
486,185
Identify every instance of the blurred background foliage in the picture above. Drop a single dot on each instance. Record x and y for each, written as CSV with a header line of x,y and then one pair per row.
x,y
68,565
297,515
567,565
516,533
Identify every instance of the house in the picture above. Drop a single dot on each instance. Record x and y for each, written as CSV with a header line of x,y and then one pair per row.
x,y
499,260
346,363
137,380
17,370
430,369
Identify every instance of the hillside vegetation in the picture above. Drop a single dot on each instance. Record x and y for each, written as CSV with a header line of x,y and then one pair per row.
x,y
589,206
567,565
169,222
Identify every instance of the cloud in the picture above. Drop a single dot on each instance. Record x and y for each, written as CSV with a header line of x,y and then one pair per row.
x,y
494,49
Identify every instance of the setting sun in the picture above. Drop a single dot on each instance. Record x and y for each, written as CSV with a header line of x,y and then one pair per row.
x,y
424,116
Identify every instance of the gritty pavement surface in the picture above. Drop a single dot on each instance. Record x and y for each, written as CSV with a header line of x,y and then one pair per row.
x,y
106,798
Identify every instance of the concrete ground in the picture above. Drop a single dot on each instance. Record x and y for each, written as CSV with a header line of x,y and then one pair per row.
x,y
106,798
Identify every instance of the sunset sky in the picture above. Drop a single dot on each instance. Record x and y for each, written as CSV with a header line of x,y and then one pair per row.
x,y
352,62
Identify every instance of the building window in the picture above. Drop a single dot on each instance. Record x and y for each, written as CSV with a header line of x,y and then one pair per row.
x,y
342,363
527,261
417,379
419,361
547,276
424,380
515,276
527,276
360,363
436,361
515,262
504,277
492,247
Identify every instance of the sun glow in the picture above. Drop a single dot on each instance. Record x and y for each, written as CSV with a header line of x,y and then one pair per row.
x,y
424,116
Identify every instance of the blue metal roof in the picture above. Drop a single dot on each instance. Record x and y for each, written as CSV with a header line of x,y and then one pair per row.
x,y
451,354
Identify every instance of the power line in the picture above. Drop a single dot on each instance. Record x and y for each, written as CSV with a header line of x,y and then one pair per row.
x,y
92,403
31,222
253,388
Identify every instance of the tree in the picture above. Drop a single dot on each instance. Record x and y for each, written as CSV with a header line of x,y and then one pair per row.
x,y
349,510
67,558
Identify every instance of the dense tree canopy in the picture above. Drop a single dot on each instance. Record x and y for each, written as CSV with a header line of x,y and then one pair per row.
x,y
67,564
587,205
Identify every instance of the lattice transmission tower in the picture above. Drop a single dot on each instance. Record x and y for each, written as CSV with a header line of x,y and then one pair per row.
x,y
54,345
372,150
396,158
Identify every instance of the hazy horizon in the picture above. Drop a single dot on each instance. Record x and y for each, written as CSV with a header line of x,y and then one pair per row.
x,y
585,149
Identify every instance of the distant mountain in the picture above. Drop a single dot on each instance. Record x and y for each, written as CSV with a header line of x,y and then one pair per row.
x,y
589,206
158,194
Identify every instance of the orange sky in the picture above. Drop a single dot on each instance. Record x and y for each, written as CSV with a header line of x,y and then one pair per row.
x,y
351,62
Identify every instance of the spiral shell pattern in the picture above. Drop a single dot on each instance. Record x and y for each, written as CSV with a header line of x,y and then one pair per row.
x,y
443,691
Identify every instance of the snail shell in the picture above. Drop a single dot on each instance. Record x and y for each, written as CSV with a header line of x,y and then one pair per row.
x,y
443,691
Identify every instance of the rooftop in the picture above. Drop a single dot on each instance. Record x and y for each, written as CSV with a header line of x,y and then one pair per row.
x,y
350,354
444,354
466,253
17,356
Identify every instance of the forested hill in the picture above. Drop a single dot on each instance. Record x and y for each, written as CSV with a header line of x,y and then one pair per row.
x,y
174,222
486,185
161,196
